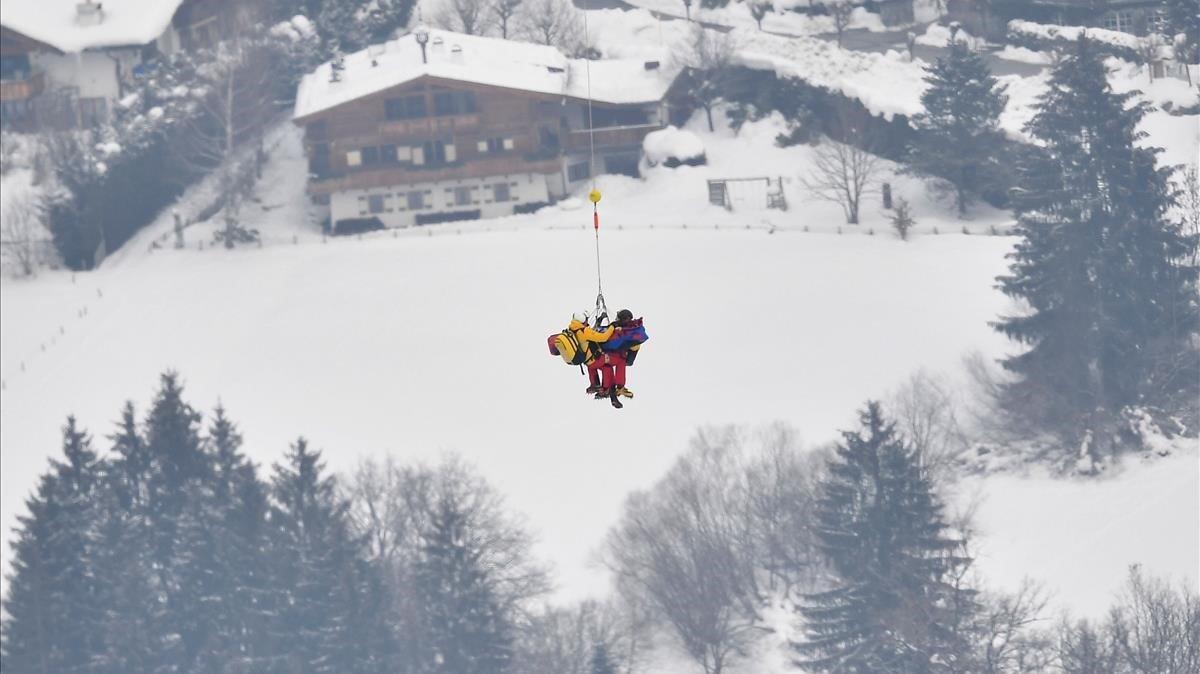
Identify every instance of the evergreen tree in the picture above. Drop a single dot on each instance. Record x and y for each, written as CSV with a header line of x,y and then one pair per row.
x,y
331,612
465,629
1105,274
601,662
52,613
121,564
881,528
129,469
1183,19
960,138
244,602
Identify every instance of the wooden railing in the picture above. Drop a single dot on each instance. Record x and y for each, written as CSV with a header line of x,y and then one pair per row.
x,y
22,89
388,176
428,126
616,136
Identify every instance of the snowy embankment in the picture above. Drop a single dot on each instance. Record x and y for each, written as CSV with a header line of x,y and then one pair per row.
x,y
780,18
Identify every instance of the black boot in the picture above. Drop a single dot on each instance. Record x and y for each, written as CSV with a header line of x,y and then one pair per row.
x,y
614,398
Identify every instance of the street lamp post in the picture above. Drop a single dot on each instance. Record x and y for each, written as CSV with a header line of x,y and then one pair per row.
x,y
687,7
422,35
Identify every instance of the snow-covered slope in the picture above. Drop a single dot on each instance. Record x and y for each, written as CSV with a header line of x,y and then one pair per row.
x,y
420,345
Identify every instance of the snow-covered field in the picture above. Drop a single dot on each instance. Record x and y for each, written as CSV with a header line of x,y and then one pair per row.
x,y
429,340
426,341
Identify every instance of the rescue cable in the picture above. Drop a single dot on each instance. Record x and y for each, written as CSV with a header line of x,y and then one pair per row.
x,y
594,194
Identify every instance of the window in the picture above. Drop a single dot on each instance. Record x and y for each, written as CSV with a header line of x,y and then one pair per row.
x,y
501,192
387,154
370,156
493,145
93,111
462,196
436,152
376,203
416,200
318,160
15,67
406,107
577,172
1156,22
453,103
1120,20
609,117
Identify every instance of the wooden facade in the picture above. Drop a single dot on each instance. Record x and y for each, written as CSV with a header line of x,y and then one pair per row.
x,y
434,130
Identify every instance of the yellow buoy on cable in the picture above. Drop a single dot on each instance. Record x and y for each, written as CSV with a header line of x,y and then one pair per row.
x,y
594,196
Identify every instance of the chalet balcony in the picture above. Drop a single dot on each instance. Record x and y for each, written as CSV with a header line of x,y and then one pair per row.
x,y
22,88
615,136
428,126
393,175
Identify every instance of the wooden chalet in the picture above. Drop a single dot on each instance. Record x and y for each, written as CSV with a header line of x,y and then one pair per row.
x,y
466,127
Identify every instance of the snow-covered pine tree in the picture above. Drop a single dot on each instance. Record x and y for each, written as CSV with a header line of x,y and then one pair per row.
x,y
180,520
1183,19
892,608
245,596
465,630
53,619
330,616
960,138
1106,275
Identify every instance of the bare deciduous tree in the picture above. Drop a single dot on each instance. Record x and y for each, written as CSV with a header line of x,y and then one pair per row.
x,y
561,640
758,10
1007,635
1157,628
505,12
1189,207
840,11
844,172
781,483
23,235
556,23
925,409
687,547
391,506
235,94
707,57
464,16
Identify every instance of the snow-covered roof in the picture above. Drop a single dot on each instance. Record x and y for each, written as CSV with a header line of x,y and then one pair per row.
x,y
480,60
618,81
122,22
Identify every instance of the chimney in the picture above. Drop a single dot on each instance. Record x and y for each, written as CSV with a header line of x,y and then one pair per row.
x,y
88,13
437,45
456,54
375,51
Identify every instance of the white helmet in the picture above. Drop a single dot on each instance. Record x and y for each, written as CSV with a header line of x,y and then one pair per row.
x,y
581,316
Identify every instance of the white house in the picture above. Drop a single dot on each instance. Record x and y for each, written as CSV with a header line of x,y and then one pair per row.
x,y
72,58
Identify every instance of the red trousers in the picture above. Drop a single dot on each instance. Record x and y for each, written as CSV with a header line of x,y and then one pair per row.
x,y
608,370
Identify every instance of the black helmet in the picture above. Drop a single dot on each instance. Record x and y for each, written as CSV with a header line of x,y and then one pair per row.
x,y
624,315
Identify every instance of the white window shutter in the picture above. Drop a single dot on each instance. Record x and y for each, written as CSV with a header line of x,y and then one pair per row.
x,y
482,145
508,143
418,155
404,153
354,158
451,155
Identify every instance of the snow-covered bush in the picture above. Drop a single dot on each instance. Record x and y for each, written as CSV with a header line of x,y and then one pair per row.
x,y
1045,37
672,147
937,35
